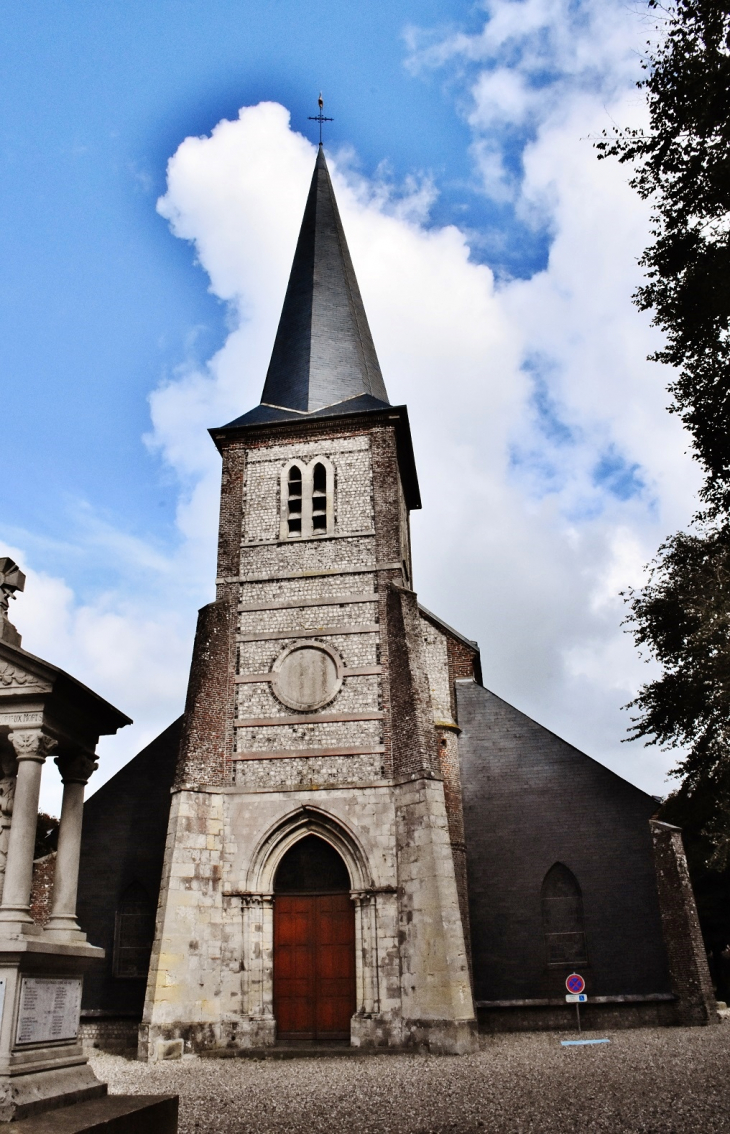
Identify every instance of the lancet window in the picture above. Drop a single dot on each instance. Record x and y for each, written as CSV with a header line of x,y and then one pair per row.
x,y
294,501
134,932
562,918
307,499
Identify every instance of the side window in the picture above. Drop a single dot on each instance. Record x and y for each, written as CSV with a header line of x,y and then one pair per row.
x,y
562,918
294,502
133,933
319,498
307,499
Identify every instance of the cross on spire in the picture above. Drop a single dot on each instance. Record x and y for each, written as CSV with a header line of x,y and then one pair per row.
x,y
320,117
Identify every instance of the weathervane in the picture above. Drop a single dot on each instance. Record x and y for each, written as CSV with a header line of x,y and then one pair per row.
x,y
320,117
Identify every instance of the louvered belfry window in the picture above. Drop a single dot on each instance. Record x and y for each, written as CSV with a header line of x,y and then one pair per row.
x,y
307,499
319,498
562,918
294,501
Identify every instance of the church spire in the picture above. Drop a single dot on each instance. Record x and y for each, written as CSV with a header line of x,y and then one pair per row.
x,y
323,352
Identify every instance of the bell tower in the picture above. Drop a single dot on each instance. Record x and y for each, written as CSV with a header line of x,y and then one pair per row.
x,y
310,727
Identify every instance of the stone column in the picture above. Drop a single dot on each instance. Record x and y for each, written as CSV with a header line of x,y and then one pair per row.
x,y
267,955
9,768
31,748
75,769
256,975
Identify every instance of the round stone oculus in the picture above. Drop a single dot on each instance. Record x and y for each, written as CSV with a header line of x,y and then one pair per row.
x,y
307,676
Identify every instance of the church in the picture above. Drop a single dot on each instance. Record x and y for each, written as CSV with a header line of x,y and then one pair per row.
x,y
346,837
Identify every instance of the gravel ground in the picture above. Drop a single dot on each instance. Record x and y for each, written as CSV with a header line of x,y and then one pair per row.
x,y
653,1080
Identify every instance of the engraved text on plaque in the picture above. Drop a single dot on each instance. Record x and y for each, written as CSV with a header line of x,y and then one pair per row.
x,y
49,1009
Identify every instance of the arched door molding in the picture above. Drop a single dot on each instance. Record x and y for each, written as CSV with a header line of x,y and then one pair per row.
x,y
306,821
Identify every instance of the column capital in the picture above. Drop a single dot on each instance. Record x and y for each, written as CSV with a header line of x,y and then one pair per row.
x,y
76,767
32,744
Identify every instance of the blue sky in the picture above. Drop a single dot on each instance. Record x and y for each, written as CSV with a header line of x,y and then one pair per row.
x,y
97,298
462,142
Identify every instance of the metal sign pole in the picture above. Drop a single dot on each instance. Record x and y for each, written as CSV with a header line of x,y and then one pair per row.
x,y
577,1012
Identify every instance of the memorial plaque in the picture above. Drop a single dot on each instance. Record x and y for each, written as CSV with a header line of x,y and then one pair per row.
x,y
49,1009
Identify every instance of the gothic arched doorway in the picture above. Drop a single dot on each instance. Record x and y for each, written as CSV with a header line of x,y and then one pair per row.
x,y
314,943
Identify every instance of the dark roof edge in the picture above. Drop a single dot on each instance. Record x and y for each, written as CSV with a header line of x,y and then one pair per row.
x,y
610,771
449,629
398,414
109,785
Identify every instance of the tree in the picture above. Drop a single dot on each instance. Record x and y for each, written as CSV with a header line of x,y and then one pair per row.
x,y
46,835
681,617
682,165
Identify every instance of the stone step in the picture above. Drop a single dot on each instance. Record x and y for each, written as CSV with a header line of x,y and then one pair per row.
x,y
113,1114
301,1051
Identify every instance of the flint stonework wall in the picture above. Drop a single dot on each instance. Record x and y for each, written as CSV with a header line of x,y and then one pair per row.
x,y
308,772
387,493
311,617
305,589
351,457
358,694
262,553
436,658
207,741
347,734
324,553
359,649
414,739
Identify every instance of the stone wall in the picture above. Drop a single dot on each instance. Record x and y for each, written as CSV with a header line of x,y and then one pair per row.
x,y
532,800
686,954
116,1034
41,894
446,655
594,1017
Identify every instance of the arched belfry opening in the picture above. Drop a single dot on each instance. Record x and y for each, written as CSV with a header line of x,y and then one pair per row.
x,y
314,943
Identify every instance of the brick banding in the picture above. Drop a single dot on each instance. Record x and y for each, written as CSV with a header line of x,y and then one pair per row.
x,y
270,636
295,604
356,671
282,575
296,540
291,753
309,718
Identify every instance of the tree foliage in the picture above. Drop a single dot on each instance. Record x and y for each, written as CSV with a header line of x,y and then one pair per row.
x,y
681,617
46,835
682,165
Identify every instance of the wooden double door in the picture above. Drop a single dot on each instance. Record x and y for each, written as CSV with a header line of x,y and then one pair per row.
x,y
314,965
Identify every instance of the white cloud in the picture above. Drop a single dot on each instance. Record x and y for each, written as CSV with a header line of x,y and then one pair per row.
x,y
528,518
550,470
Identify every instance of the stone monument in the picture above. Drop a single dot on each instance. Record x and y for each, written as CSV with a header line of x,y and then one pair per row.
x,y
43,713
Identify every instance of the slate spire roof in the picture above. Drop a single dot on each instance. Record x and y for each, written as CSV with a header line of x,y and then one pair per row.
x,y
323,352
324,363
